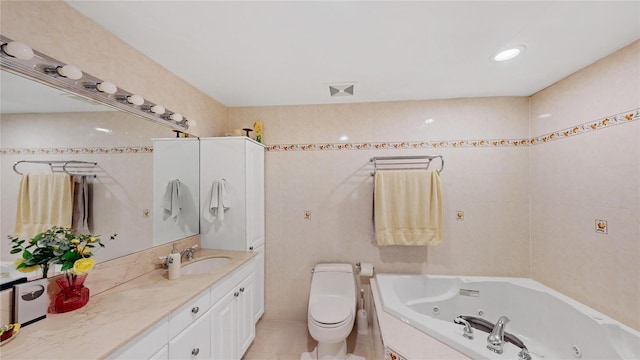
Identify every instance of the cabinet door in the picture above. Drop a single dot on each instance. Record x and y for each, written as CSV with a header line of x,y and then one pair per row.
x,y
258,293
194,342
246,324
255,194
224,340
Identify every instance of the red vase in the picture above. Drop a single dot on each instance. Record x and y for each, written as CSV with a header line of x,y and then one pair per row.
x,y
73,294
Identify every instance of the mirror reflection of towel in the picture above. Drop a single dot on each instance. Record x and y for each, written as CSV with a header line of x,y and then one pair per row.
x,y
172,201
219,199
44,201
81,205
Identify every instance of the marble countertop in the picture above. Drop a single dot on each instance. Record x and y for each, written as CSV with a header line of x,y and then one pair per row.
x,y
114,317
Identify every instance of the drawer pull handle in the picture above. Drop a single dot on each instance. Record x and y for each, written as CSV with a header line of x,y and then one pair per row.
x,y
250,247
195,351
241,289
195,310
236,294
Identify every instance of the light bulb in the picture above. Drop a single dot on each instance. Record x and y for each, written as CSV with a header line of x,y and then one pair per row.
x,y
107,87
135,99
176,117
69,71
18,50
158,109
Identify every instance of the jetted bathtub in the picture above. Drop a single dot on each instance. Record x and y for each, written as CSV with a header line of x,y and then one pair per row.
x,y
551,325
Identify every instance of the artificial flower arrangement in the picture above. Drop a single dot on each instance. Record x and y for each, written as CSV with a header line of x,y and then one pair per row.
x,y
57,246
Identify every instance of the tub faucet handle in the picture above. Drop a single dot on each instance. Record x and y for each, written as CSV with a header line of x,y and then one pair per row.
x,y
524,354
468,330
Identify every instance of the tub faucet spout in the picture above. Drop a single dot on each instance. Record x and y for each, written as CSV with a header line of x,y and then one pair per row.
x,y
495,340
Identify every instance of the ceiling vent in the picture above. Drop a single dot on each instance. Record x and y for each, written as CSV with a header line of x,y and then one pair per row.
x,y
337,90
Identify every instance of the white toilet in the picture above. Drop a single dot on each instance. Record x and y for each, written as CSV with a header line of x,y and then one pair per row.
x,y
332,309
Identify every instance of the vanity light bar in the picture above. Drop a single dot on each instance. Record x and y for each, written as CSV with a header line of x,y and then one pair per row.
x,y
16,58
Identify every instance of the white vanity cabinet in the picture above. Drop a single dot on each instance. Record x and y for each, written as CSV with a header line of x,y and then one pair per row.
x,y
240,162
233,326
218,323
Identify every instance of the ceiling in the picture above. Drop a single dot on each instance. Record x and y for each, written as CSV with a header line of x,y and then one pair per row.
x,y
286,53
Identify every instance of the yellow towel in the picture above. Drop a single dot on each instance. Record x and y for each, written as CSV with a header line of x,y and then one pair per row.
x,y
407,207
44,201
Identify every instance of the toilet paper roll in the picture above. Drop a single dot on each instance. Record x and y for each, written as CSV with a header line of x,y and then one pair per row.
x,y
366,269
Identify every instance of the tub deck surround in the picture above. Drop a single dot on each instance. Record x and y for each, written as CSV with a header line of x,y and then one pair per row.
x,y
405,342
116,316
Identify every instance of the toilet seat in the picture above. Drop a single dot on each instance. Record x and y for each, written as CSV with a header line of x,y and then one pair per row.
x,y
330,311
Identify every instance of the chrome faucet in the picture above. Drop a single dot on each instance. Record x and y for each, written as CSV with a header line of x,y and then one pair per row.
x,y
189,252
495,340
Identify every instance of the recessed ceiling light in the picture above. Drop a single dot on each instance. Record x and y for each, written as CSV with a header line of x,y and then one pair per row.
x,y
508,54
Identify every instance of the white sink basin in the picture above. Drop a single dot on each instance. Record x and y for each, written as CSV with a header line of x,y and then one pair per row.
x,y
204,265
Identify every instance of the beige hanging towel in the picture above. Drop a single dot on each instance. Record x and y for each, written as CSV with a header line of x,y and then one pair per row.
x,y
44,201
408,207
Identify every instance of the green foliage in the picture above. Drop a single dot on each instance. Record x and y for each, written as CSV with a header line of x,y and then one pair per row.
x,y
55,246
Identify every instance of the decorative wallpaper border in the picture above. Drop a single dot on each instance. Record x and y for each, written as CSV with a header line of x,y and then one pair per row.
x,y
613,120
606,122
609,121
78,151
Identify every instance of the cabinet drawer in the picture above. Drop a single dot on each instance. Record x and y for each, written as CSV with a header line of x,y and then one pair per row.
x,y
194,342
145,345
188,313
224,286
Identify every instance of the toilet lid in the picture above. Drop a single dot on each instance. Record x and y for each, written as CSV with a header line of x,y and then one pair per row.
x,y
330,310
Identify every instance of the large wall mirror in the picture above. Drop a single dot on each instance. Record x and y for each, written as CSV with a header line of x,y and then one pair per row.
x,y
41,123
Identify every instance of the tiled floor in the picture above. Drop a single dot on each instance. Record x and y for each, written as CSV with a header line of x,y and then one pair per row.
x,y
287,340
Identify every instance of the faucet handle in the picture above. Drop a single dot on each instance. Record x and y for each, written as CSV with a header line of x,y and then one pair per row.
x,y
468,330
524,354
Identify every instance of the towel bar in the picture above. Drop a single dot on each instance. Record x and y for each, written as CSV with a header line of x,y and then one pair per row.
x,y
61,166
404,162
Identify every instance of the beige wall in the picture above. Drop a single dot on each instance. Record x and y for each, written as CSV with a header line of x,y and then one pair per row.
x,y
56,29
590,176
561,185
489,183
